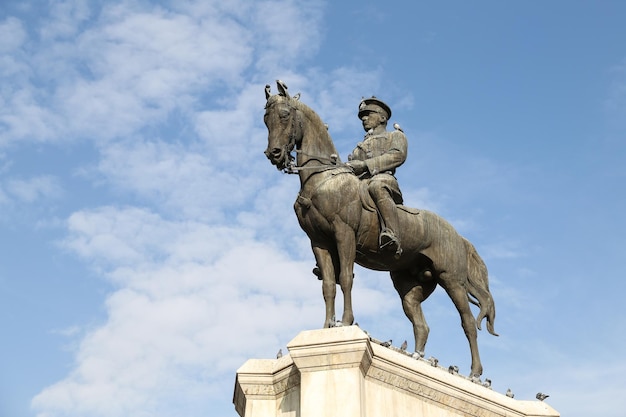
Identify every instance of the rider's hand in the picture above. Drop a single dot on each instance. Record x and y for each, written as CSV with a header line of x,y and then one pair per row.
x,y
357,166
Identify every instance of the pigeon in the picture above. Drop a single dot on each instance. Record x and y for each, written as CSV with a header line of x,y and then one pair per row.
x,y
541,396
403,346
386,344
487,383
279,354
509,393
453,369
433,361
296,97
397,127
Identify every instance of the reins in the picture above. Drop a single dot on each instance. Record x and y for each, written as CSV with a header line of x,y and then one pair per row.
x,y
328,162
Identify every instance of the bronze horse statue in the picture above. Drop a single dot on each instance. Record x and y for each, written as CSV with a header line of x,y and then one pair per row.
x,y
340,219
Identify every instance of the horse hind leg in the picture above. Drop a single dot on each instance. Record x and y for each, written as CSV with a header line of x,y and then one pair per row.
x,y
412,292
458,294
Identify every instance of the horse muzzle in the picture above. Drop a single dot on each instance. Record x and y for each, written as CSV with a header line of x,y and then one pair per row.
x,y
276,157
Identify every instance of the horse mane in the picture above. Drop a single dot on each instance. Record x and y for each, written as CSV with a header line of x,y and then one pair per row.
x,y
314,119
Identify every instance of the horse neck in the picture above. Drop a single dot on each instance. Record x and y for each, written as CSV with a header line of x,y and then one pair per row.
x,y
316,149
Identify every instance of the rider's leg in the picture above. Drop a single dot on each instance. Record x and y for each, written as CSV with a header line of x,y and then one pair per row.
x,y
388,215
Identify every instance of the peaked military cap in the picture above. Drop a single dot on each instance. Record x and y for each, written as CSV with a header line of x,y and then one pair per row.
x,y
374,104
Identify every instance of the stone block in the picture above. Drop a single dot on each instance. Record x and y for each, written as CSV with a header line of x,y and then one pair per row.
x,y
342,372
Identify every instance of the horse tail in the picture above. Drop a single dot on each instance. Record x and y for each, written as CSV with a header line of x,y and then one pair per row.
x,y
478,288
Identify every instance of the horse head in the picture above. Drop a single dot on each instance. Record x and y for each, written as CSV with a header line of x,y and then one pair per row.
x,y
284,126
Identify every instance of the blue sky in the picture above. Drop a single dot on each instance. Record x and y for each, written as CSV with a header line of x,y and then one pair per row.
x,y
149,248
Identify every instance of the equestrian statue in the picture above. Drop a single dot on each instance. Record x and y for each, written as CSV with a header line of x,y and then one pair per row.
x,y
353,212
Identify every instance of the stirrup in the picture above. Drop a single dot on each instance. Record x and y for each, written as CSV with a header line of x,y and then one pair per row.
x,y
389,242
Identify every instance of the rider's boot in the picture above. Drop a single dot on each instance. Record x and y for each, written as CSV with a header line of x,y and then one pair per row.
x,y
389,218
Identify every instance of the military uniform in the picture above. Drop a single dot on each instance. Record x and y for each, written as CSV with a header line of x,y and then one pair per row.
x,y
382,152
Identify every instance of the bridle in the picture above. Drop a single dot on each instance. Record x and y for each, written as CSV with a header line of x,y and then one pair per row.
x,y
294,142
295,137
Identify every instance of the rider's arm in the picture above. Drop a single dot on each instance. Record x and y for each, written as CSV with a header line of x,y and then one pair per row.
x,y
391,156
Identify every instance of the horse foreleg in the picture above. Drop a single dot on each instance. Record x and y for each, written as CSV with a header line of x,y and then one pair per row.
x,y
346,251
324,262
458,294
413,293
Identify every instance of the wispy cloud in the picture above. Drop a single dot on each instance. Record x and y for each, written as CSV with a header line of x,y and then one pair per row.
x,y
207,238
33,189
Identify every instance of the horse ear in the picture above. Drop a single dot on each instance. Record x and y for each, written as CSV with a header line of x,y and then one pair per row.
x,y
267,91
282,88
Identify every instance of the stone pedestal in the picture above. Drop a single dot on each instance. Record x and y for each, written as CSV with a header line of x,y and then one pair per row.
x,y
341,372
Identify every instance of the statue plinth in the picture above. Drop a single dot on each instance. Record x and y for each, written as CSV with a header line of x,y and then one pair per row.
x,y
341,372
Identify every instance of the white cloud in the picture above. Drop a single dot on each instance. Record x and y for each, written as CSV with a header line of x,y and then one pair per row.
x,y
66,16
130,68
338,97
287,31
34,189
189,298
174,177
207,260
12,35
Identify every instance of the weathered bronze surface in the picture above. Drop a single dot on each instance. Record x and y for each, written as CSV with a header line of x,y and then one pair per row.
x,y
340,214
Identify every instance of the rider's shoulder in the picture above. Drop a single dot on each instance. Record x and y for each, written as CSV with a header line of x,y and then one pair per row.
x,y
396,134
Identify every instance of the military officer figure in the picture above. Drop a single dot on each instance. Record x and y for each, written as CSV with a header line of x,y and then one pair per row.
x,y
375,160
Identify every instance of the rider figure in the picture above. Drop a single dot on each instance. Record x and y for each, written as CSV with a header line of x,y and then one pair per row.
x,y
375,160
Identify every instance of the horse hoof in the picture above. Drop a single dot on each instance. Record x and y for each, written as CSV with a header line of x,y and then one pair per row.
x,y
417,355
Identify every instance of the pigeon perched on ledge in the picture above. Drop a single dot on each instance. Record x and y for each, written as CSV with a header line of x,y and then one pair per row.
x,y
403,346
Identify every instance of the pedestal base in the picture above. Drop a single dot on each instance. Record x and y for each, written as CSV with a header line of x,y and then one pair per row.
x,y
340,372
